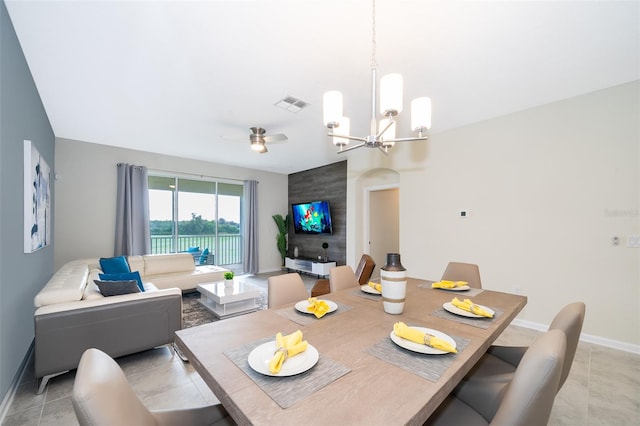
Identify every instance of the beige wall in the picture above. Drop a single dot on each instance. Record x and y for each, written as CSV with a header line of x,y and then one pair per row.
x,y
86,192
547,189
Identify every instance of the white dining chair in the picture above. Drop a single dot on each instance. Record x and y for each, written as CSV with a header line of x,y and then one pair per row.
x,y
342,277
526,400
283,289
101,396
458,271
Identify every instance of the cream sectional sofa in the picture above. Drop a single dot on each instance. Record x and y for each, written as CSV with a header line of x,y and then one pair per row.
x,y
71,315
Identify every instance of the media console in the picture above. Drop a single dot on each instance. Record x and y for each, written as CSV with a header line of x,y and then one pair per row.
x,y
309,266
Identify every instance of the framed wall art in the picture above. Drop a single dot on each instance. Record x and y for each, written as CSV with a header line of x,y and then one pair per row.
x,y
37,200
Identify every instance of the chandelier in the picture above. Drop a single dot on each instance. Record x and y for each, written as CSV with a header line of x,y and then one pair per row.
x,y
383,134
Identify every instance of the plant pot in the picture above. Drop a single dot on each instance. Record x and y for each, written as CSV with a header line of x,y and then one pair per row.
x,y
228,283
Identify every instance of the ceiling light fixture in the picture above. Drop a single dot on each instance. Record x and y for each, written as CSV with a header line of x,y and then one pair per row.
x,y
257,140
258,147
384,137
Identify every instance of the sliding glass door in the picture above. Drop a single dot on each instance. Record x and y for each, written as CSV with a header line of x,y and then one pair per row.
x,y
199,216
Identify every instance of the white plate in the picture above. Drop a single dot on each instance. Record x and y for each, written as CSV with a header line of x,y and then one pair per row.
x,y
455,310
369,290
461,288
303,305
423,349
259,360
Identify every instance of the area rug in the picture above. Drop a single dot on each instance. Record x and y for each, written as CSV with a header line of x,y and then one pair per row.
x,y
193,313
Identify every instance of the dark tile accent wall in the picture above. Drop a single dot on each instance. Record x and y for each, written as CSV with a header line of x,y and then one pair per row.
x,y
322,183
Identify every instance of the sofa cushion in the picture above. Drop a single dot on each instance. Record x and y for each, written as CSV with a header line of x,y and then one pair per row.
x,y
123,277
158,264
136,263
91,290
66,285
114,265
116,288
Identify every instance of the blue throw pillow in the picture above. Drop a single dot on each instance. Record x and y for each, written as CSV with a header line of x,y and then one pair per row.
x,y
123,277
204,256
193,249
114,265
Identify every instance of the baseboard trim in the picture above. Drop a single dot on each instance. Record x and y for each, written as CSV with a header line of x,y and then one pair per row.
x,y
13,388
588,338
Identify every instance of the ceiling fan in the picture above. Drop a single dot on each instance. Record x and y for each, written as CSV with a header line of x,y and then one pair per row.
x,y
258,139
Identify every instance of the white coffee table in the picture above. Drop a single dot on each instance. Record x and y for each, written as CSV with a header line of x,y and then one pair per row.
x,y
229,301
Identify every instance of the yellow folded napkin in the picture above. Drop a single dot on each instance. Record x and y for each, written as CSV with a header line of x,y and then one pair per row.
x,y
448,284
403,330
375,286
286,346
469,306
318,307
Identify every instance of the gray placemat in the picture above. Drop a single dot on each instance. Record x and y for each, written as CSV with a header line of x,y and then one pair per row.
x,y
430,367
286,391
466,293
475,322
369,296
298,317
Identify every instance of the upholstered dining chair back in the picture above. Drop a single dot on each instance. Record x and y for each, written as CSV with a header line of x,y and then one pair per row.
x,y
365,268
569,320
529,397
102,396
283,289
526,400
363,275
457,271
342,277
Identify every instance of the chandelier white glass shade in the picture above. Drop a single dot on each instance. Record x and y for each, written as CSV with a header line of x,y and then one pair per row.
x,y
382,135
343,128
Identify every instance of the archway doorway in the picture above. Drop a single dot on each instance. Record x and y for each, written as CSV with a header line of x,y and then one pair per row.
x,y
378,210
384,223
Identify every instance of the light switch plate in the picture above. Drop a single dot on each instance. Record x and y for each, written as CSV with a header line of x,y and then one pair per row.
x,y
633,241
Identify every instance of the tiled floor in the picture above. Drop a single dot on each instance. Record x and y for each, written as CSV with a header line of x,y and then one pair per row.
x,y
603,387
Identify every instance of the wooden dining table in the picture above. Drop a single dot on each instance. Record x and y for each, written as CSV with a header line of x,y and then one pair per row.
x,y
362,377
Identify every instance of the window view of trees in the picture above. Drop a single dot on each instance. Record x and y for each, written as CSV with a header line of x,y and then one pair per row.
x,y
204,215
196,226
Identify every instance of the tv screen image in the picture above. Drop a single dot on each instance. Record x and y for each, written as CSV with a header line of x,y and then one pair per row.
x,y
312,218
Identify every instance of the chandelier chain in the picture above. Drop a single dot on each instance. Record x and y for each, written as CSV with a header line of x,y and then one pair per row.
x,y
373,35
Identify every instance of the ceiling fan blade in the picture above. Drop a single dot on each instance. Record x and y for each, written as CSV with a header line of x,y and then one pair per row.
x,y
277,138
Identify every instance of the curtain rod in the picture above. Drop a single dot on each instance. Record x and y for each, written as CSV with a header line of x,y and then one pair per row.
x,y
174,173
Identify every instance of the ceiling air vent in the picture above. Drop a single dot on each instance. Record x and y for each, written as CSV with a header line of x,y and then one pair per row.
x,y
291,104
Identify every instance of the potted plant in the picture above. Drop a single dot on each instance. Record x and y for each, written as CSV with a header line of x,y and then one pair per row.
x,y
283,230
325,246
228,279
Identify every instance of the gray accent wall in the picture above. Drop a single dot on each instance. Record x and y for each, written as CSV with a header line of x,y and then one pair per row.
x,y
322,183
22,116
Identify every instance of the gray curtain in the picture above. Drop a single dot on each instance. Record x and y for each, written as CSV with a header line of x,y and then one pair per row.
x,y
250,222
133,236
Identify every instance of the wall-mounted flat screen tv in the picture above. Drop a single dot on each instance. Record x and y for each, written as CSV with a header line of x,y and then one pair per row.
x,y
312,218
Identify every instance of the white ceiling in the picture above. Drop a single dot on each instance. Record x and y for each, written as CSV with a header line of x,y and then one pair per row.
x,y
180,77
